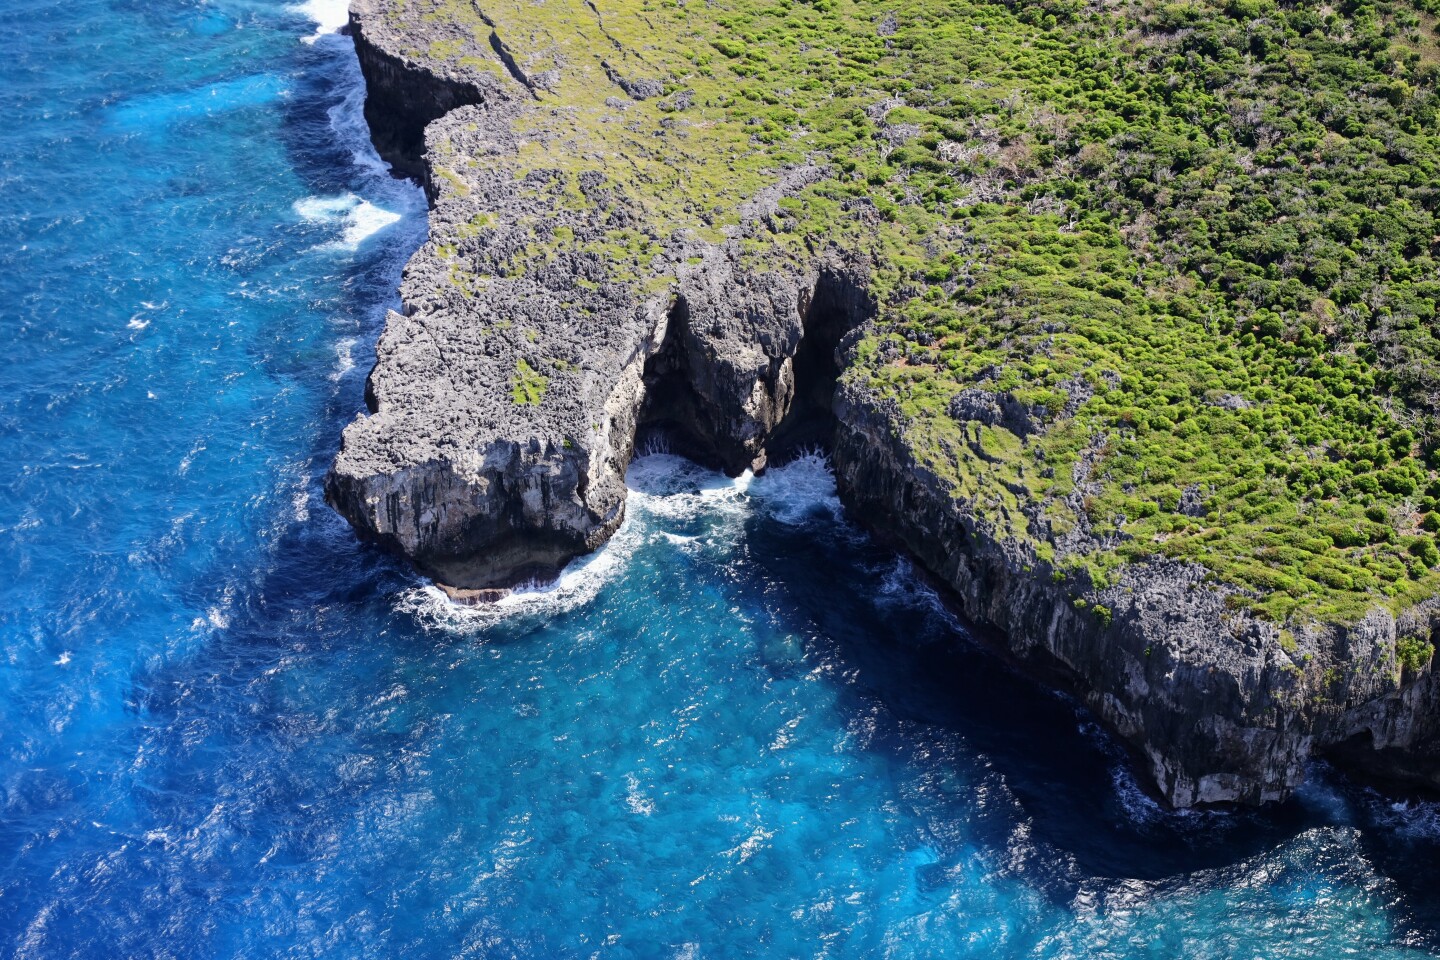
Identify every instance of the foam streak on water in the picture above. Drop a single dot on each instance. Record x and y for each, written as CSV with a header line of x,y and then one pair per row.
x,y
227,729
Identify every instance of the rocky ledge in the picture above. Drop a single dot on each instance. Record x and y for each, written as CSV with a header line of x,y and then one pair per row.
x,y
583,287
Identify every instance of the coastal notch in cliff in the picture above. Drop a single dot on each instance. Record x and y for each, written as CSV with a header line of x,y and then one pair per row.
x,y
788,405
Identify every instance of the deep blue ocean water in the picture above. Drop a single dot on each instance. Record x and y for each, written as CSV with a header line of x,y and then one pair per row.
x,y
228,730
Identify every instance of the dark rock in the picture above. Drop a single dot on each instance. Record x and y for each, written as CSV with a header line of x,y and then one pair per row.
x,y
1213,705
1226,401
995,409
1192,504
636,88
484,486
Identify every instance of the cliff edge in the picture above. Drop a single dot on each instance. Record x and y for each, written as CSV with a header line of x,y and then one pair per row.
x,y
1020,279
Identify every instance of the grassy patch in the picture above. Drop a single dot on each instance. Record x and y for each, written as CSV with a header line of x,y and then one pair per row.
x,y
527,387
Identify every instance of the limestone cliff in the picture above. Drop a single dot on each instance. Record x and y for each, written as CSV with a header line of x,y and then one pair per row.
x,y
603,263
1208,697
505,403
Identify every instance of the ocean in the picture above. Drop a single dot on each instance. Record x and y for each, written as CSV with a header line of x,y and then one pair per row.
x,y
228,729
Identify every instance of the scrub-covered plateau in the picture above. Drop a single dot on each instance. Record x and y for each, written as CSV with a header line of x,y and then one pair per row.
x,y
1118,316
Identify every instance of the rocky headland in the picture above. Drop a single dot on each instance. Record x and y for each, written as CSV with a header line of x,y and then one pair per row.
x,y
748,228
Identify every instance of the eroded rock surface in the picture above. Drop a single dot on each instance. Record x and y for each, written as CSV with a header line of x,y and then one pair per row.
x,y
560,311
506,397
1214,705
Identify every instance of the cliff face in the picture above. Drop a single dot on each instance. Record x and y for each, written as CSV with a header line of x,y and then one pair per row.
x,y
560,312
505,405
404,93
1214,707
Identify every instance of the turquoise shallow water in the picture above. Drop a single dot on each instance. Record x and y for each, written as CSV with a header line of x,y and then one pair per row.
x,y
227,730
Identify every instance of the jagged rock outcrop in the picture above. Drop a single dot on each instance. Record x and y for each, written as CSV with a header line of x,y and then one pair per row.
x,y
553,318
405,92
504,406
507,396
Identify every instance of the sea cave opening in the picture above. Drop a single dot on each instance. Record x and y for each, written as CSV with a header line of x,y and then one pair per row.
x,y
674,417
837,305
685,413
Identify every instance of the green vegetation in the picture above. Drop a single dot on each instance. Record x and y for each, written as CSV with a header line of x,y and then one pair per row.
x,y
527,387
1413,653
1196,240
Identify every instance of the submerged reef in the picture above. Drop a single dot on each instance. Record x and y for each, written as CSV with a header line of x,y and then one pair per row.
x,y
1118,317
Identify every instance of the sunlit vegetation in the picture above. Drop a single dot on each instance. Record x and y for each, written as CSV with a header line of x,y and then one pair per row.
x,y
527,387
1195,242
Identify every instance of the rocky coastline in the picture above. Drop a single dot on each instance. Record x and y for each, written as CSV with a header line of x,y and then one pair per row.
x,y
506,403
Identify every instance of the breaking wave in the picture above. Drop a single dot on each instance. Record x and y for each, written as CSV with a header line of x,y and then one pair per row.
x,y
670,499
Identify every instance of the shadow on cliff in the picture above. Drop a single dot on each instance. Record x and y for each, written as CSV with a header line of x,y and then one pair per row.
x,y
698,407
838,306
1075,783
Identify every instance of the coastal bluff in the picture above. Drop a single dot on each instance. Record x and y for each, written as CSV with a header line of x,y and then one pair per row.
x,y
750,229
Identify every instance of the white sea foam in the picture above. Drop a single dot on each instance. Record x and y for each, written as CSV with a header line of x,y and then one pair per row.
x,y
758,840
673,488
139,320
578,584
329,16
635,799
344,358
663,490
1412,818
325,210
365,221
383,200
189,458
361,218
1139,806
294,482
903,586
800,491
347,119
